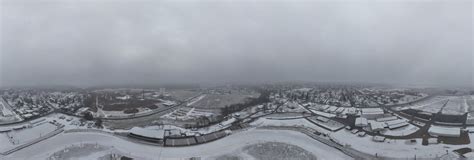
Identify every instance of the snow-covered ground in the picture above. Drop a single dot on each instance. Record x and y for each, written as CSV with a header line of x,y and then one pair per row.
x,y
196,100
455,105
394,148
6,113
231,144
22,136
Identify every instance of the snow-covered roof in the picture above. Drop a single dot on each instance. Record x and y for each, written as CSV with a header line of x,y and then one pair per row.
x,y
444,131
325,107
386,118
151,133
375,126
340,109
394,122
228,122
332,109
398,125
328,115
372,111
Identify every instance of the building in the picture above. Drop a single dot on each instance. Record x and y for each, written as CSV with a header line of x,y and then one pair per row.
x,y
372,113
444,131
384,119
361,122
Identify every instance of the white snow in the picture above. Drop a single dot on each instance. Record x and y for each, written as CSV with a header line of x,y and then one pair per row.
x,y
394,148
227,145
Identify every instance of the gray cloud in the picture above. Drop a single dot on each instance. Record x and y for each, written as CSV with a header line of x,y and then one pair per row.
x,y
57,42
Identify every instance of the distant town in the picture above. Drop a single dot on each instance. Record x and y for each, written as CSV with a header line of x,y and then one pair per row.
x,y
348,121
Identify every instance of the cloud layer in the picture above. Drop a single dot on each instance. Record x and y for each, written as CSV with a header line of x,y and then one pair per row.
x,y
87,43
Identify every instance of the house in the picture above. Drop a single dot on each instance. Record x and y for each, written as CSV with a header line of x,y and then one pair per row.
x,y
351,111
361,122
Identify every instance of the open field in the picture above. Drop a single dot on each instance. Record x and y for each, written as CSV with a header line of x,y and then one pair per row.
x,y
455,105
15,138
10,116
182,95
218,101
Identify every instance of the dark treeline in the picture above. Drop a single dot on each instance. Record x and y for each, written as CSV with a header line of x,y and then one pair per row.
x,y
263,98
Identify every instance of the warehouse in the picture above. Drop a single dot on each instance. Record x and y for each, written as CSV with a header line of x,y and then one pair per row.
x,y
444,131
372,113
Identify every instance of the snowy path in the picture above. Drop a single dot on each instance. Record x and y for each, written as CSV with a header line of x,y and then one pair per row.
x,y
231,144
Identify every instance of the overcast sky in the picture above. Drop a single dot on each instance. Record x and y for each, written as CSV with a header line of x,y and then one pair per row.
x,y
100,42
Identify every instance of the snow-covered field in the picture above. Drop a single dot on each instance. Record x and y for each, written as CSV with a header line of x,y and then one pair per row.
x,y
231,144
6,113
455,105
19,137
196,100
